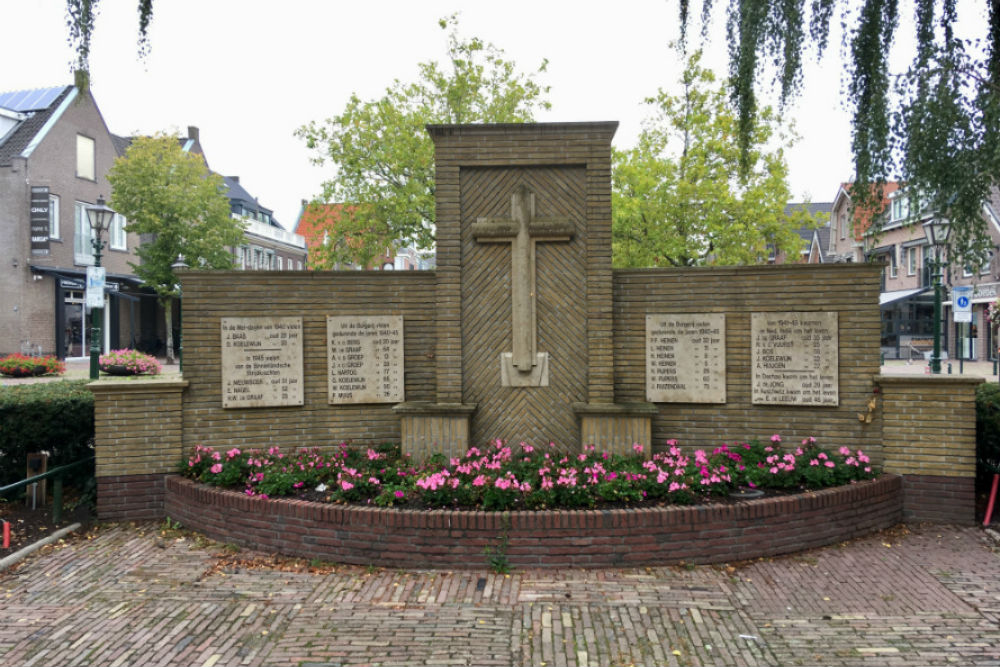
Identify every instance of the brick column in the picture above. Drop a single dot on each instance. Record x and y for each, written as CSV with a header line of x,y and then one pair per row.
x,y
138,441
929,437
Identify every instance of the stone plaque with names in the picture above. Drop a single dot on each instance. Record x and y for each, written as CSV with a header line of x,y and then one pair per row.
x,y
794,358
365,358
686,358
261,362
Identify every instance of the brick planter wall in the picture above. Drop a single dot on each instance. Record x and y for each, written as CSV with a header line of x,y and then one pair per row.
x,y
581,538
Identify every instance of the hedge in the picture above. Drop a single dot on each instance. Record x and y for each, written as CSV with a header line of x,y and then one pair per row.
x,y
988,428
57,417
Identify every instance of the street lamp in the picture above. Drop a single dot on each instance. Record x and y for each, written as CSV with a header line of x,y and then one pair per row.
x,y
936,230
100,217
177,265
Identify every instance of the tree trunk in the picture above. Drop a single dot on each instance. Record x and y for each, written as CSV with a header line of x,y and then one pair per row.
x,y
168,315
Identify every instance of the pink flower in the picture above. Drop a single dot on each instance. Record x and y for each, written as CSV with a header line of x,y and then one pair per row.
x,y
829,464
775,438
217,468
232,453
814,462
637,448
399,494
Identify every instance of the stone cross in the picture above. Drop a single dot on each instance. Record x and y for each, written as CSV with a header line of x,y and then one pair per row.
x,y
525,366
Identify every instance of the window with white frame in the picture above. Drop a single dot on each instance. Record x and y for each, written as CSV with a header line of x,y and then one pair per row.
x,y
85,158
83,249
54,232
911,261
258,259
900,208
843,225
299,264
281,263
271,263
244,257
893,267
117,238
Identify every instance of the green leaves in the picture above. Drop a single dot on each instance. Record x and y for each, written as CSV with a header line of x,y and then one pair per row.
x,y
384,159
177,205
935,127
679,197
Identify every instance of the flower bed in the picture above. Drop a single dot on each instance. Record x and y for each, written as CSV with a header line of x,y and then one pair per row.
x,y
527,477
129,362
622,537
20,366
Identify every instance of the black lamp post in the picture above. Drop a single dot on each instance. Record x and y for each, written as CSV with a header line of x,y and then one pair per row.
x,y
177,265
100,217
936,230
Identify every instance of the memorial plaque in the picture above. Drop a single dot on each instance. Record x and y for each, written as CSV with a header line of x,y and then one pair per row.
x,y
365,359
795,358
686,358
261,362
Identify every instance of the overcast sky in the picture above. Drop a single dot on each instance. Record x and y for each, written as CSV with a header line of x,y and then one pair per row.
x,y
249,72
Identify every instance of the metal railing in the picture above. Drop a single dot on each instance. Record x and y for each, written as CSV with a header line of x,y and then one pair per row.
x,y
56,474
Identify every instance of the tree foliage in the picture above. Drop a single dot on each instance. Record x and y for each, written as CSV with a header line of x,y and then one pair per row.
x,y
679,198
178,207
384,158
81,17
934,126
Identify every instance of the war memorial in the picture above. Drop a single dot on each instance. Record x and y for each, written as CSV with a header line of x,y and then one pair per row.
x,y
524,332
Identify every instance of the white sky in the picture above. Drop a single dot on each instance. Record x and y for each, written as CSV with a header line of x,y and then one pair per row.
x,y
249,72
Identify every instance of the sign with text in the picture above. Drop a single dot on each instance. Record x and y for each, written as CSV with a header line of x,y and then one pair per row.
x,y
794,358
261,362
96,281
365,358
38,219
686,358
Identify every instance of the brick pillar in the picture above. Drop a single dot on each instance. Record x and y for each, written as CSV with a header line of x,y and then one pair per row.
x,y
929,437
138,441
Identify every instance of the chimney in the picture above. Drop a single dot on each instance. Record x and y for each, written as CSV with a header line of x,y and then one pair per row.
x,y
193,132
234,179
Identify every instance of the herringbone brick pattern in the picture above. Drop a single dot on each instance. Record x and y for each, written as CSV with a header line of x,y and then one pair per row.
x,y
129,596
531,414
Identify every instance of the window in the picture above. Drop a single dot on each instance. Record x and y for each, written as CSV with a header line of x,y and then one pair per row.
x,y
85,158
271,264
54,217
911,261
258,259
843,225
118,240
281,263
900,208
83,249
244,258
893,266
300,264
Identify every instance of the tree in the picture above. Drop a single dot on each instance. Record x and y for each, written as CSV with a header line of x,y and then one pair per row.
x,y
179,207
679,198
936,126
384,157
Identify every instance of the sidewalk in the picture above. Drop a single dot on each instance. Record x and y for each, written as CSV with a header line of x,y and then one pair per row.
x,y
983,369
131,595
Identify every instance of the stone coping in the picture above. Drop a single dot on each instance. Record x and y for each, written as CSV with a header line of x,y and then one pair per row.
x,y
137,383
388,537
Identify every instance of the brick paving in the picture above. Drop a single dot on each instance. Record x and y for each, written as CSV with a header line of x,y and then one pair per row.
x,y
128,595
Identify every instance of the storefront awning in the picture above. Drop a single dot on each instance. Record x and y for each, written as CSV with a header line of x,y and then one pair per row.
x,y
114,280
887,298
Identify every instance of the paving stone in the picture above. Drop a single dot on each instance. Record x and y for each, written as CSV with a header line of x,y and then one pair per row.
x,y
924,596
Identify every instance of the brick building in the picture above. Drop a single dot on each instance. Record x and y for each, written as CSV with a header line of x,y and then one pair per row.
x,y
906,298
55,151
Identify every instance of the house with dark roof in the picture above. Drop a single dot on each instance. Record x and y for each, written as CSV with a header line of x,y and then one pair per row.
x,y
267,246
814,239
55,151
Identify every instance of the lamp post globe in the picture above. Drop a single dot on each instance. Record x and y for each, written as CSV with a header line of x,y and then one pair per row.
x,y
99,216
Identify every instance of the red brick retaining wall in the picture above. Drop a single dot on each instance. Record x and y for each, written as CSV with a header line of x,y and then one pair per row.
x,y
940,499
581,538
130,497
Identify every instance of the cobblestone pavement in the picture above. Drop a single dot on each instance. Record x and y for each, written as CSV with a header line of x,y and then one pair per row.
x,y
128,595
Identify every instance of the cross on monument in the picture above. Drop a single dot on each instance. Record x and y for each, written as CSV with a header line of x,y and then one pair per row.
x,y
525,366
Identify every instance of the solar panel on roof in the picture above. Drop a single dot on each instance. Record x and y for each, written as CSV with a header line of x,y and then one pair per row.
x,y
30,100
